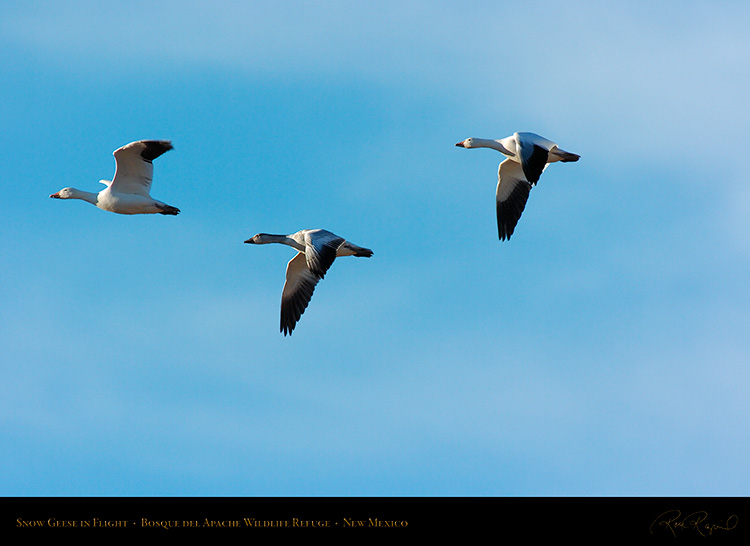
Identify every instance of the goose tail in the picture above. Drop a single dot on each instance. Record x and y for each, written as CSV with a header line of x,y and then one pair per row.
x,y
167,209
566,157
361,252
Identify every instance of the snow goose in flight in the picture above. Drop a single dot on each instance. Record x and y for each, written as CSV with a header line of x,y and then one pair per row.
x,y
129,192
317,248
528,155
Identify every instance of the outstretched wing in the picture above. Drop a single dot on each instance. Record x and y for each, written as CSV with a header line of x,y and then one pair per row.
x,y
320,249
134,168
534,155
512,193
298,289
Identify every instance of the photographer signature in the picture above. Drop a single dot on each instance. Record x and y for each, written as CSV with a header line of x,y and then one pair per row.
x,y
674,521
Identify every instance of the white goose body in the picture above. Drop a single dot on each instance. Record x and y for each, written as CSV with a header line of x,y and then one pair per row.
x,y
129,192
528,156
317,249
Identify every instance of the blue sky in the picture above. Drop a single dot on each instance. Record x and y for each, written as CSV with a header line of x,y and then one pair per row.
x,y
602,351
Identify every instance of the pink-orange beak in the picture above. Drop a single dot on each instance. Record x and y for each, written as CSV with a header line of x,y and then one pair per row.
x,y
55,195
461,144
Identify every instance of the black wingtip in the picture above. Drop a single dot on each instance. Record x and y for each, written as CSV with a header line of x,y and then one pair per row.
x,y
287,329
509,211
534,164
154,148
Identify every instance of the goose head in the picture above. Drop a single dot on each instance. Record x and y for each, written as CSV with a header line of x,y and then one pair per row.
x,y
499,145
65,193
258,239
